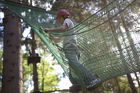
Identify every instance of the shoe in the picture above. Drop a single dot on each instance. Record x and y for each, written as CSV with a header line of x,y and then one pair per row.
x,y
94,82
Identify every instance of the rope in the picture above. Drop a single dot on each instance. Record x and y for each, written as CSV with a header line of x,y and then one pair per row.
x,y
64,90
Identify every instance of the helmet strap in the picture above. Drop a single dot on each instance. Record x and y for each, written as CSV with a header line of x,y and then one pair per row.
x,y
64,17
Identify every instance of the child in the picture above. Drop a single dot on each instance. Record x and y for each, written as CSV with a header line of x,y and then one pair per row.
x,y
71,50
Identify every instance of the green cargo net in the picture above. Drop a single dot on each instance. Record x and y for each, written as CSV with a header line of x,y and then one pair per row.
x,y
109,39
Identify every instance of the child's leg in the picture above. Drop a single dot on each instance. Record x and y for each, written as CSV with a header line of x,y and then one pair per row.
x,y
80,70
73,80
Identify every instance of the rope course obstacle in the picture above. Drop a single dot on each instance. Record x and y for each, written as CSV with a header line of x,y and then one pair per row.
x,y
109,39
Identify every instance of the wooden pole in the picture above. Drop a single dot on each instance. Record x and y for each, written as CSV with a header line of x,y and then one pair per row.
x,y
35,74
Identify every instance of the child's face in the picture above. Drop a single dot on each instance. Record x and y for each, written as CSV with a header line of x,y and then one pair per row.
x,y
60,20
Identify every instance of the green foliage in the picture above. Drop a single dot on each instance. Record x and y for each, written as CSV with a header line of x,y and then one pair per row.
x,y
138,90
79,9
27,73
46,78
125,87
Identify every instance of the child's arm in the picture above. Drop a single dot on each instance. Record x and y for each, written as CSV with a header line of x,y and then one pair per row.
x,y
57,30
56,39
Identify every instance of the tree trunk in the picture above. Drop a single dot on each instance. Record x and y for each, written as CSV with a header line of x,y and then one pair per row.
x,y
132,86
35,74
12,64
137,78
134,51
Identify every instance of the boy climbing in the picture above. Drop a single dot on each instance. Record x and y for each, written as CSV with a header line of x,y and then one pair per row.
x,y
71,50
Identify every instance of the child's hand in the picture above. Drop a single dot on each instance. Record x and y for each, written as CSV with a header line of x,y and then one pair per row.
x,y
40,29
46,30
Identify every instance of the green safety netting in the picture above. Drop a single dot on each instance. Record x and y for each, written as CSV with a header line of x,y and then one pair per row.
x,y
109,39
